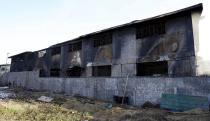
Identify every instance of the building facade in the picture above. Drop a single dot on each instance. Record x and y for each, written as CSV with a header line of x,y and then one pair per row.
x,y
164,45
4,68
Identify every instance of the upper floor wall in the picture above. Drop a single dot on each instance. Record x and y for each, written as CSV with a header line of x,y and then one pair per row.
x,y
165,38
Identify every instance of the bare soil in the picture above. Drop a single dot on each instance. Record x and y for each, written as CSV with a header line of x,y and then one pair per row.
x,y
24,106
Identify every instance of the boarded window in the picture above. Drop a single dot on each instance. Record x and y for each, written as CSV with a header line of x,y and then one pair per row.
x,y
102,71
152,68
54,72
56,50
75,46
102,39
150,29
74,72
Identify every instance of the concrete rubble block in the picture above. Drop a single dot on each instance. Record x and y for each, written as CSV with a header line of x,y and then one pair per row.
x,y
45,99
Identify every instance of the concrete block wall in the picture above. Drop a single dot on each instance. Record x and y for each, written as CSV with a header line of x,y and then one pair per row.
x,y
139,90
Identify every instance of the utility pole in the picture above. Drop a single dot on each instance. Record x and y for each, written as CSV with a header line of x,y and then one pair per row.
x,y
7,57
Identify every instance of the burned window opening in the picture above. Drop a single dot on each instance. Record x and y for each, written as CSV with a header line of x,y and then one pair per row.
x,y
56,50
102,71
74,71
18,58
75,46
148,30
152,68
55,72
102,39
30,68
42,53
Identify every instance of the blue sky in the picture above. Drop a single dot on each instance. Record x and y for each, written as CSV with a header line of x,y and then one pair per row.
x,y
28,25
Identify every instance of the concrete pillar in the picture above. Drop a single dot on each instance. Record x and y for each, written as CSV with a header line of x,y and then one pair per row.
x,y
128,69
64,60
124,52
87,55
48,62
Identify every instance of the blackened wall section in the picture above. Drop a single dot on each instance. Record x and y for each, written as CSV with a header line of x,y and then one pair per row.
x,y
126,50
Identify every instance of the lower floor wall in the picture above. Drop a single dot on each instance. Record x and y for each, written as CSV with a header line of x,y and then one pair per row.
x,y
138,90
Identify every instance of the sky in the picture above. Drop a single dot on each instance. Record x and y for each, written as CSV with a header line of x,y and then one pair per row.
x,y
30,25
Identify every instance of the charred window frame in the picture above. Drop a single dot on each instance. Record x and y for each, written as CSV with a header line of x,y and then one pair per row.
x,y
41,53
102,71
56,50
150,29
55,72
102,39
75,46
159,68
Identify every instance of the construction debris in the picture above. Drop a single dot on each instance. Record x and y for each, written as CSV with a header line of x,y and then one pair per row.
x,y
84,99
45,99
5,93
148,105
79,108
3,88
196,111
108,105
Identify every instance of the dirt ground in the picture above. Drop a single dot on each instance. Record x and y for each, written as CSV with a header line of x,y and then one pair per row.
x,y
24,106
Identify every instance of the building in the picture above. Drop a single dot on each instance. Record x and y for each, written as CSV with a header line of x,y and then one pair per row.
x,y
137,61
164,45
4,68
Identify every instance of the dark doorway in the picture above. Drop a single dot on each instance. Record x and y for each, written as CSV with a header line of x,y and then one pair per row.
x,y
152,68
